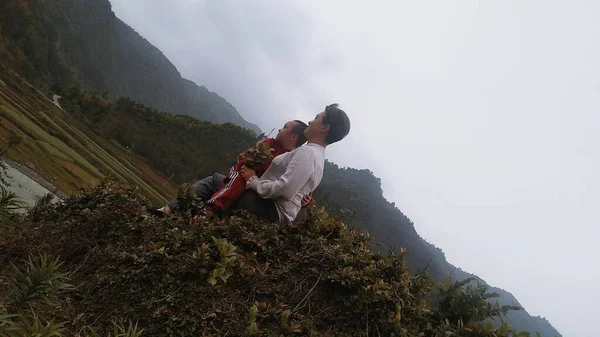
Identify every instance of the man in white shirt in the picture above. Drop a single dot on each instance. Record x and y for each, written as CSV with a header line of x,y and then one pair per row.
x,y
278,193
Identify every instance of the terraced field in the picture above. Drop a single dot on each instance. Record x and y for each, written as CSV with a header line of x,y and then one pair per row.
x,y
64,149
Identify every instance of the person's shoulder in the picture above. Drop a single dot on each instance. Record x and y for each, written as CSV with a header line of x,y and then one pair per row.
x,y
303,149
315,148
310,150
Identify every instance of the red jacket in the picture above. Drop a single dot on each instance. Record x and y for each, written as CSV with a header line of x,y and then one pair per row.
x,y
234,185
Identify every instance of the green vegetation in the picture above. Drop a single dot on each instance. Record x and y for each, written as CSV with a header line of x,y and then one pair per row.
x,y
358,197
35,279
54,44
170,143
64,42
34,286
64,151
177,145
12,140
236,276
52,151
9,204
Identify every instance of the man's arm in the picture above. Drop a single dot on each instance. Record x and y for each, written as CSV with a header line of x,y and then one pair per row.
x,y
296,175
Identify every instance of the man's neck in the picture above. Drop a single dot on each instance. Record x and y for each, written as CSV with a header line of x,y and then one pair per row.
x,y
317,142
280,144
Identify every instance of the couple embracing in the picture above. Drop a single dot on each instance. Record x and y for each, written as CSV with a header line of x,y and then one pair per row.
x,y
278,189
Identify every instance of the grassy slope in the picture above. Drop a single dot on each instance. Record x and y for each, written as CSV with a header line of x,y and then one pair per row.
x,y
65,151
238,276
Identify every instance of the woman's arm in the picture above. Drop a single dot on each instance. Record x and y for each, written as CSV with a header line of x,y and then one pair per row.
x,y
296,175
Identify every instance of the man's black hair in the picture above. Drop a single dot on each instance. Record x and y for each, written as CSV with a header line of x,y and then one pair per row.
x,y
338,121
298,129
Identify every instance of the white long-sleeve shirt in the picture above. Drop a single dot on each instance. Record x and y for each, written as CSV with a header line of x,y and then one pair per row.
x,y
289,178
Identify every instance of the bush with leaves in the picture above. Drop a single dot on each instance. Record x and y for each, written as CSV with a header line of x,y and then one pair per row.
x,y
471,304
28,326
187,201
312,278
34,282
38,283
42,208
35,279
257,155
9,204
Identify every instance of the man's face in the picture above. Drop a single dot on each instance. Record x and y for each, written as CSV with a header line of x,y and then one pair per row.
x,y
316,126
286,136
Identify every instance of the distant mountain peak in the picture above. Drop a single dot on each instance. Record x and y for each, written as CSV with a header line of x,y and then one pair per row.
x,y
90,45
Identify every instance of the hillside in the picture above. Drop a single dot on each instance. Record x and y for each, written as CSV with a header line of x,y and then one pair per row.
x,y
157,137
57,43
169,142
360,192
62,149
357,191
238,276
89,139
66,41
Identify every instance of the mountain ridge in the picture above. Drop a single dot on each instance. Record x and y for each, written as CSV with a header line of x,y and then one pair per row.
x,y
77,28
85,42
359,192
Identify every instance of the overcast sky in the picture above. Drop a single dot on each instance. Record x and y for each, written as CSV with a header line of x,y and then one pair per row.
x,y
480,117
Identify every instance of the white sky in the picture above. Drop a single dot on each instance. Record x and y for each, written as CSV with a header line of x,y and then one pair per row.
x,y
480,117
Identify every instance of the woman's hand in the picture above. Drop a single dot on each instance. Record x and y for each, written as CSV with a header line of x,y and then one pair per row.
x,y
247,173
306,200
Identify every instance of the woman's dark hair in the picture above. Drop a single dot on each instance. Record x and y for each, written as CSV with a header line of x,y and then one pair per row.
x,y
298,129
338,121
